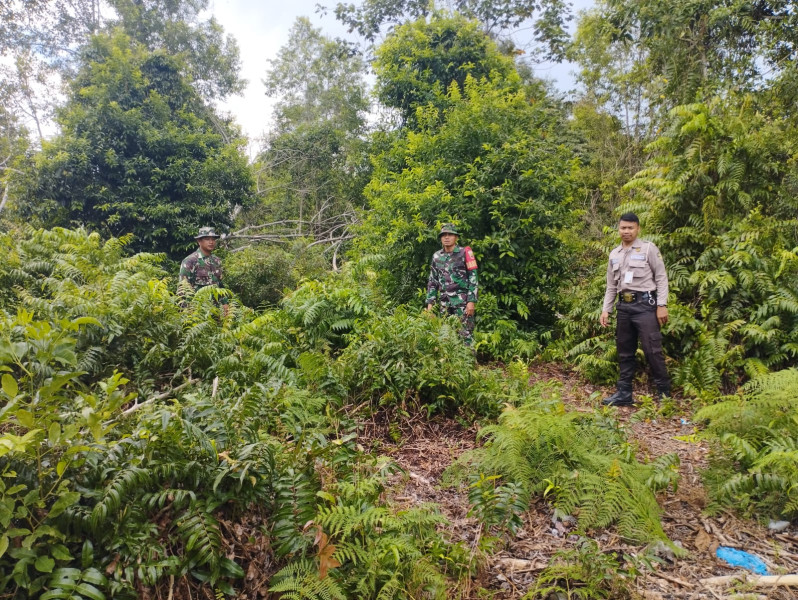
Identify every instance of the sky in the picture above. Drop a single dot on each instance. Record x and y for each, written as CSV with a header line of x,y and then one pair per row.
x,y
261,29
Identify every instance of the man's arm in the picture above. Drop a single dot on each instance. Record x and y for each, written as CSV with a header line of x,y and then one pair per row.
x,y
661,280
609,296
186,276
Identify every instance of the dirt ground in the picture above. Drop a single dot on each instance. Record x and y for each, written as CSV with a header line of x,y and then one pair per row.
x,y
427,448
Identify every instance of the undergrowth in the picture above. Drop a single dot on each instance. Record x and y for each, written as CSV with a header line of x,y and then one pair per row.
x,y
754,468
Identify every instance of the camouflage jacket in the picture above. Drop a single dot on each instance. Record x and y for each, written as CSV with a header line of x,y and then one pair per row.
x,y
200,271
453,277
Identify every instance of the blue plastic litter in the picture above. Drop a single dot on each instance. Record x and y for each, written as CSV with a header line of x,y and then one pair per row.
x,y
740,558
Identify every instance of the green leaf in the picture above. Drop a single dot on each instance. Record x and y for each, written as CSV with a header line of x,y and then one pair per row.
x,y
10,386
231,568
87,554
44,564
25,418
64,501
54,433
56,593
60,552
86,321
88,590
94,576
3,544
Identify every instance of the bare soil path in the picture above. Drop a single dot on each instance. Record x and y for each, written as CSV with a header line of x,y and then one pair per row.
x,y
427,448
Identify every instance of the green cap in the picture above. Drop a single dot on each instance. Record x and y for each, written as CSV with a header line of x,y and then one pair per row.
x,y
448,228
206,232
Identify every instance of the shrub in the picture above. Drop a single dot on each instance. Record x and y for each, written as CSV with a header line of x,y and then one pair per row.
x,y
755,467
408,357
262,275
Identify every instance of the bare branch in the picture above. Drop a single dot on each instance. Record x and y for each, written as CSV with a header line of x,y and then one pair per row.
x,y
137,405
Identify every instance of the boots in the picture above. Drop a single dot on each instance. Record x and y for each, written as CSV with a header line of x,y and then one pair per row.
x,y
622,397
663,393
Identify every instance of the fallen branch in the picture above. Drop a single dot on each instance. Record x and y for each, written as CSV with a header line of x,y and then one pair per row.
x,y
754,580
519,565
137,405
673,579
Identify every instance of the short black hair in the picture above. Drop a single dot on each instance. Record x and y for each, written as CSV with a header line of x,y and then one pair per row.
x,y
629,218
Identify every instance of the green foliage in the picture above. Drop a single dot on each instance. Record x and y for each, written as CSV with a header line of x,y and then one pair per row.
x,y
390,551
717,199
139,153
502,339
300,581
588,573
371,16
755,468
423,60
324,311
497,505
582,463
261,275
491,163
406,358
314,163
211,60
108,475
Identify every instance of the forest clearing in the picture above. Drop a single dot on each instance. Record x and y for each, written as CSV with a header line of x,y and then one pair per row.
x,y
450,332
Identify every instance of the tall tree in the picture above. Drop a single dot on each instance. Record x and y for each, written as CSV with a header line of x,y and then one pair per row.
x,y
314,165
138,153
43,40
483,155
417,64
177,27
548,17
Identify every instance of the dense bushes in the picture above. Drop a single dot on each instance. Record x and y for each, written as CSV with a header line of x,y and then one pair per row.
x,y
111,484
717,197
485,155
582,462
261,275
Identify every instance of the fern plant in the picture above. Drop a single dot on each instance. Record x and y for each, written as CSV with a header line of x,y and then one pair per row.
x,y
582,463
756,465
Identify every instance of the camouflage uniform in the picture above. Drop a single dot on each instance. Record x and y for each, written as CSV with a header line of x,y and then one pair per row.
x,y
453,282
199,270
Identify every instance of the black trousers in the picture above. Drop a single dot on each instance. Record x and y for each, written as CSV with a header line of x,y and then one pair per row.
x,y
638,320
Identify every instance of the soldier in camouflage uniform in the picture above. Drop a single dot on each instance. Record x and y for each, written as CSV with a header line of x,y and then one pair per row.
x,y
453,280
201,268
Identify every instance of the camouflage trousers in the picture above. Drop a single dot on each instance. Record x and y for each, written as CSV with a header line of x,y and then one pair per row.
x,y
458,310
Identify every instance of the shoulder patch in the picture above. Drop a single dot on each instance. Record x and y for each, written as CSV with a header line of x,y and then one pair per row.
x,y
471,261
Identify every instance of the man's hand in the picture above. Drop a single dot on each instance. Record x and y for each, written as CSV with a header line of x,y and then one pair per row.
x,y
470,309
662,315
429,307
226,310
604,319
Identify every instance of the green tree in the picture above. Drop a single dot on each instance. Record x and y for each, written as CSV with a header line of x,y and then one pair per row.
x,y
692,49
314,165
138,153
419,61
550,16
13,144
211,59
492,164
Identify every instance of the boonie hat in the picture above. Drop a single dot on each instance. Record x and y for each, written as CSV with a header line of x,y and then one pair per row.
x,y
448,228
206,232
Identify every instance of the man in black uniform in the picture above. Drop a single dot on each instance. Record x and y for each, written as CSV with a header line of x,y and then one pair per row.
x,y
636,276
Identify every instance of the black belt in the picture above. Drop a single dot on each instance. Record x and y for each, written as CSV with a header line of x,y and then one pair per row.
x,y
630,297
